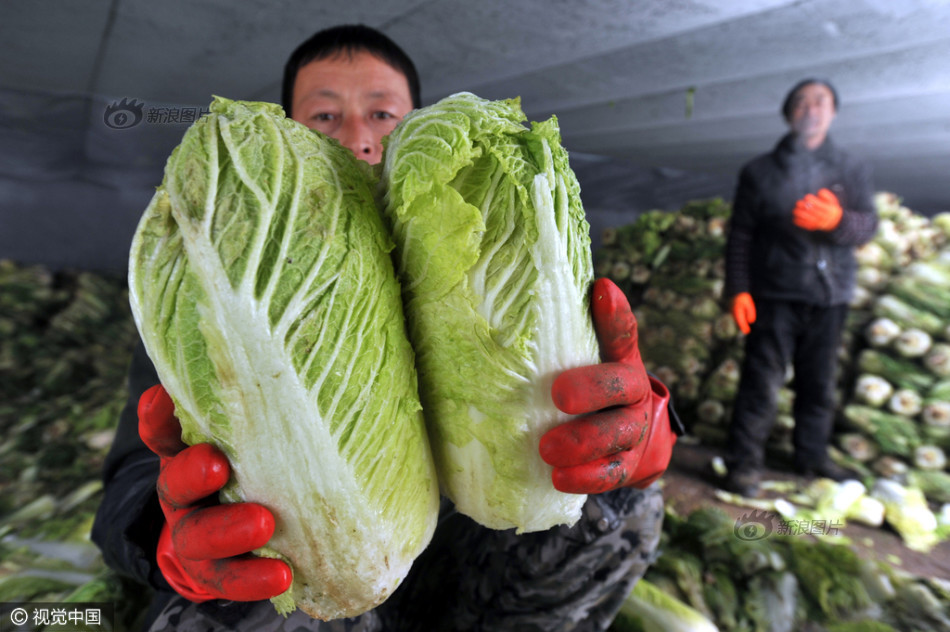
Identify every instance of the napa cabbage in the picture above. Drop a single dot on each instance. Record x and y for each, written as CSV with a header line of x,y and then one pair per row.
x,y
262,285
493,251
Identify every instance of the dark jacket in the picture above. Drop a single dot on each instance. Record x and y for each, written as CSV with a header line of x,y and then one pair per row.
x,y
769,256
469,578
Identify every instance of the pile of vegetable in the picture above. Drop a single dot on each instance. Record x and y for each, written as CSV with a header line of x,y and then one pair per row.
x,y
66,338
716,573
893,425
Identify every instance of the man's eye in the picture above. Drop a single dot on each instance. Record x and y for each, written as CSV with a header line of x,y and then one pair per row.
x,y
324,117
383,116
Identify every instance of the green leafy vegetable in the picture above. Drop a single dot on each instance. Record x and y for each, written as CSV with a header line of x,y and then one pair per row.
x,y
262,285
648,609
494,255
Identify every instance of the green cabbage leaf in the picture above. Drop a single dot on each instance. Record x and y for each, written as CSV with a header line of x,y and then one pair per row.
x,y
493,251
263,288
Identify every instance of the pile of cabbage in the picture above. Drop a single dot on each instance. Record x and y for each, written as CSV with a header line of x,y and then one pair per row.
x,y
719,573
893,425
66,338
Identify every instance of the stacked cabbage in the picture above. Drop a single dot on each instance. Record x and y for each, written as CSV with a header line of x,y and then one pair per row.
x,y
894,381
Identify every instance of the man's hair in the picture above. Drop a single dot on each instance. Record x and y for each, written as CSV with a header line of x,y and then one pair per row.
x,y
788,104
348,39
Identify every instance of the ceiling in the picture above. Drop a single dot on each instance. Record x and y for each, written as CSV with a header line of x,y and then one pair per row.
x,y
659,101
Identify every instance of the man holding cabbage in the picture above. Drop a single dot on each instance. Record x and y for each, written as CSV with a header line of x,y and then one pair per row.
x,y
160,524
798,214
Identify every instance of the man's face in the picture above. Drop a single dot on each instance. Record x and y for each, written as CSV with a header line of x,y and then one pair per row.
x,y
813,109
355,99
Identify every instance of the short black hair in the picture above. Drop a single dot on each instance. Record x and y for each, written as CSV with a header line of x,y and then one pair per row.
x,y
348,39
790,97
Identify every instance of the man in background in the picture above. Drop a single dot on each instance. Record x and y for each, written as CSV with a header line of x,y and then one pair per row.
x,y
798,214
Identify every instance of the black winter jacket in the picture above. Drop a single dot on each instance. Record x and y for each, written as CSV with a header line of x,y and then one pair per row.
x,y
769,256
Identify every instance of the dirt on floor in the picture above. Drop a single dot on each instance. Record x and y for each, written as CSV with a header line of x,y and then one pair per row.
x,y
689,483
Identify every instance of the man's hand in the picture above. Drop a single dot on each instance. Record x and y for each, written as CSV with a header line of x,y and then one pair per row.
x,y
624,438
743,311
204,547
818,212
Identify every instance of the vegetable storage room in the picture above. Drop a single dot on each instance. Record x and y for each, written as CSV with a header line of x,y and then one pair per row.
x,y
526,315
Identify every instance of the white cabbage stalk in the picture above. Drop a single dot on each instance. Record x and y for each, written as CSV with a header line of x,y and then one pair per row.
x,y
620,270
930,457
881,332
857,446
711,411
873,389
905,402
640,273
890,467
861,298
784,421
872,278
937,359
892,239
936,414
716,227
872,254
494,256
725,328
913,343
261,282
667,375
906,315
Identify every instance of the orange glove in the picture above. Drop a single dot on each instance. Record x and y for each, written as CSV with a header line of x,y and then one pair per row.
x,y
818,212
624,438
743,311
203,550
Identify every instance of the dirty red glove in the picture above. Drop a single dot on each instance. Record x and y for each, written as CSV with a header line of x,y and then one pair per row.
x,y
624,438
203,545
743,311
818,212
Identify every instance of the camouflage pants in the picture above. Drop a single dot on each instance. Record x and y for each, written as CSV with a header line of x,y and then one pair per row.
x,y
473,578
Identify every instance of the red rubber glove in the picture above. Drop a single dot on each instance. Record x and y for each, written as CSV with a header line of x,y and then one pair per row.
x,y
624,438
203,550
818,212
743,311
